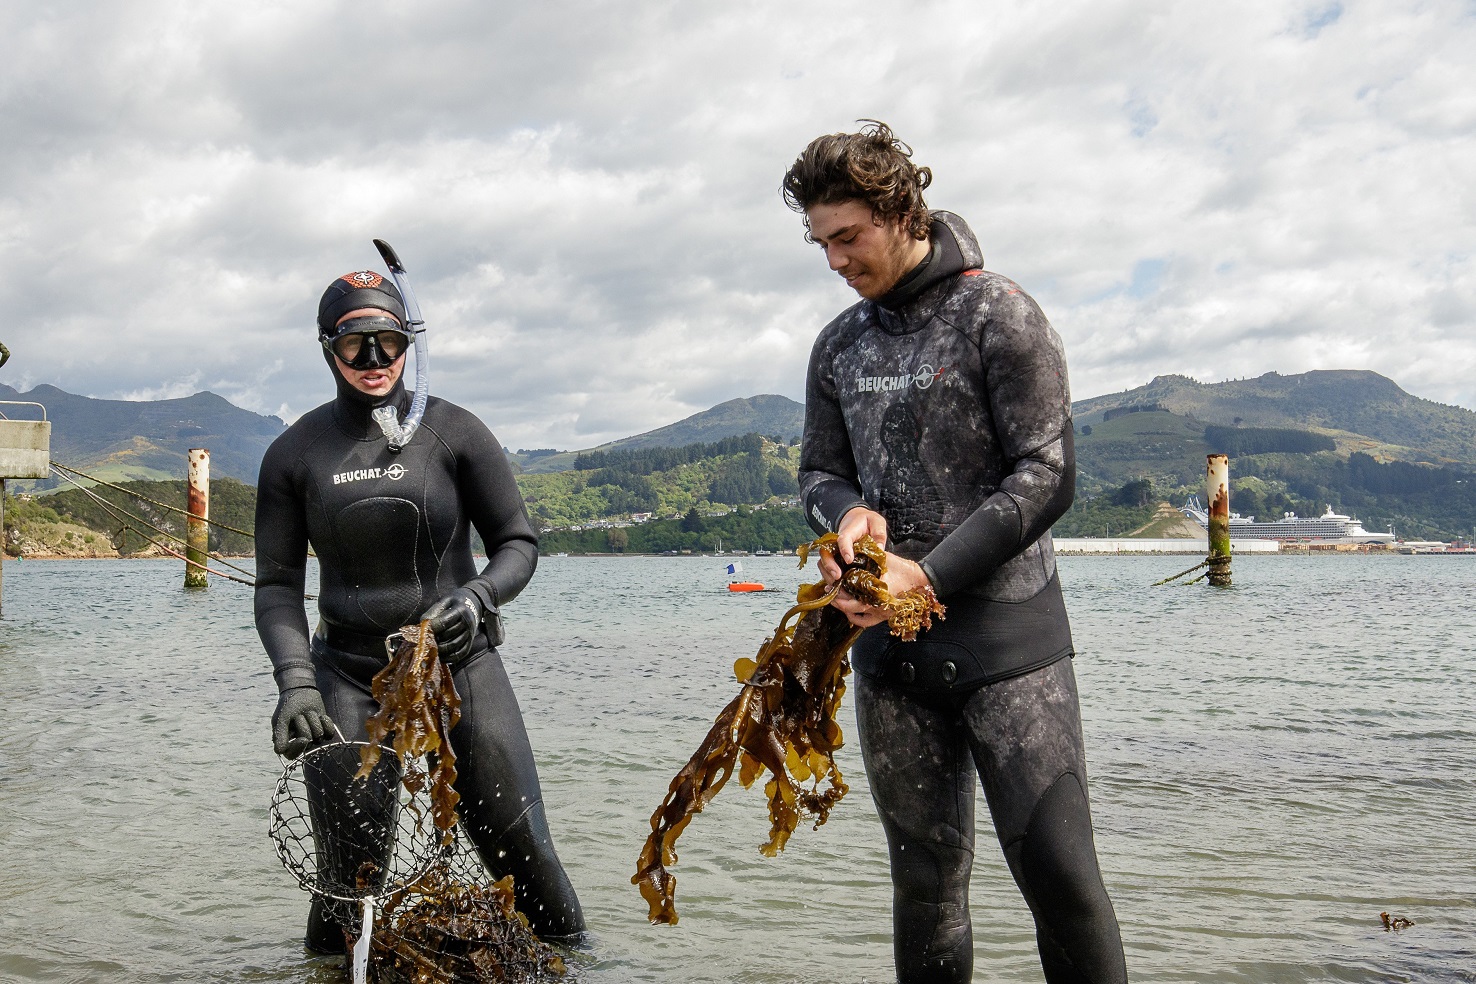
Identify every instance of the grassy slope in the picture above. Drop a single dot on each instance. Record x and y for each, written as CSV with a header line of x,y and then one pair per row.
x,y
1165,447
1168,524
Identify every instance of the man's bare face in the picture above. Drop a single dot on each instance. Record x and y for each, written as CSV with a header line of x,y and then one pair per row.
x,y
871,255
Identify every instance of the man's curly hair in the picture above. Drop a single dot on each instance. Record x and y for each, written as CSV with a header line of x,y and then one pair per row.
x,y
872,166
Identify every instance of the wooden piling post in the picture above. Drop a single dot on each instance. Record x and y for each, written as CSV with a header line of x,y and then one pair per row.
x,y
197,533
1217,494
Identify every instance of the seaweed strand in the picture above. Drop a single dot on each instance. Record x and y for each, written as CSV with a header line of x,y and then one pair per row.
x,y
783,720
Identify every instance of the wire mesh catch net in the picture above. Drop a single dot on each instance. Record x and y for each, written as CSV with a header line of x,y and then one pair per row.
x,y
437,915
372,831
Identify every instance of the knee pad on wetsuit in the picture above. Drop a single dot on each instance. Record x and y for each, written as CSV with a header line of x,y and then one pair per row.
x,y
932,943
932,938
1056,863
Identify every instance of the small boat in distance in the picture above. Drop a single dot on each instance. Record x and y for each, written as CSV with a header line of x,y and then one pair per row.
x,y
735,584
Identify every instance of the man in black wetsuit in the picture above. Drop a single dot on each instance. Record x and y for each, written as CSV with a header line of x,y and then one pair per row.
x,y
392,533
938,419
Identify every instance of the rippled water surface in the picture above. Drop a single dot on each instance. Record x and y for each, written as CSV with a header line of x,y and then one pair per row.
x,y
1272,766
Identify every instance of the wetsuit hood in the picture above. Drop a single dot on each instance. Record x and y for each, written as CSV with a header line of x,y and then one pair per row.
x,y
350,292
954,250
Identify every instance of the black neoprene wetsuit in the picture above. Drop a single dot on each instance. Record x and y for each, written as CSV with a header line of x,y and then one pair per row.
x,y
392,534
944,406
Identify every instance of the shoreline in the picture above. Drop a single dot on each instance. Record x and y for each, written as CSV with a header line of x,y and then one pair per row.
x,y
1282,550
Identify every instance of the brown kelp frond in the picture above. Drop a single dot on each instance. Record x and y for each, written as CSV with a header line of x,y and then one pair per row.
x,y
444,930
783,719
418,707
452,923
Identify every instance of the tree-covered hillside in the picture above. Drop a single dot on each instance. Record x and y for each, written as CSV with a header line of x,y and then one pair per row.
x,y
739,491
1273,470
744,528
666,482
1349,440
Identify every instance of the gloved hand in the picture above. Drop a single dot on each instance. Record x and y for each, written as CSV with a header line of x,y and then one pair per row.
x,y
300,720
455,620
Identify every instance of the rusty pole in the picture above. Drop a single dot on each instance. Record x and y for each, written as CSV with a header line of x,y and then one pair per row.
x,y
1217,493
197,534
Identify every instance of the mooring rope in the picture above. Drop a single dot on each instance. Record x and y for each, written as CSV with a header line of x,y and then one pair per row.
x,y
115,509
152,502
1217,564
124,516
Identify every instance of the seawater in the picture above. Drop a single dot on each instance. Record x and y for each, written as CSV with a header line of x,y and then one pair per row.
x,y
1272,766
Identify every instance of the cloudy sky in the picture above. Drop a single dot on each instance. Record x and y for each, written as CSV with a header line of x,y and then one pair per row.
x,y
585,194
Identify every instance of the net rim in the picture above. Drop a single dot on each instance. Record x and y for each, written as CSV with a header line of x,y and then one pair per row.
x,y
283,839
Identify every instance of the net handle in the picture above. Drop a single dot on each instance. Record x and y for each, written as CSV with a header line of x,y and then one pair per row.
x,y
287,762
361,945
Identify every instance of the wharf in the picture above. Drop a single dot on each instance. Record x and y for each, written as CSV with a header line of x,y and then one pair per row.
x,y
1189,546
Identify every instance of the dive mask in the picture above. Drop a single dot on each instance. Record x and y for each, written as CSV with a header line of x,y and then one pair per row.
x,y
373,342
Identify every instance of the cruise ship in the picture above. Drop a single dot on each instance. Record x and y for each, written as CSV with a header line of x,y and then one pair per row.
x,y
1330,527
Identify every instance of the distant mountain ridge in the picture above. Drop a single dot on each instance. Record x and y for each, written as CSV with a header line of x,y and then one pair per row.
x,y
1362,410
1350,401
121,440
766,414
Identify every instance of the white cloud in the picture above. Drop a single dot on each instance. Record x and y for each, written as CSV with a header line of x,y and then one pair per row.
x,y
586,194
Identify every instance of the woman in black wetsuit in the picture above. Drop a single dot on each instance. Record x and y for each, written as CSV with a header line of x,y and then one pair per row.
x,y
392,533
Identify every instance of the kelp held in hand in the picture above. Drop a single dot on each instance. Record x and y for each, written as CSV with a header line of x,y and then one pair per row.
x,y
418,707
783,719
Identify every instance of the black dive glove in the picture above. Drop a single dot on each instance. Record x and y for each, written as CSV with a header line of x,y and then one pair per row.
x,y
300,720
455,619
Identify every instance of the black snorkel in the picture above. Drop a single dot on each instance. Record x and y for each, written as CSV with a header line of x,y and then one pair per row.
x,y
397,434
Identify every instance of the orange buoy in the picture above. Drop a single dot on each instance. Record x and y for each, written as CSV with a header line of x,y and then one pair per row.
x,y
745,586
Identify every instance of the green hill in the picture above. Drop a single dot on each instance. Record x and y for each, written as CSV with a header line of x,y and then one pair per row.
x,y
1131,454
1350,439
665,482
1360,410
1165,447
576,507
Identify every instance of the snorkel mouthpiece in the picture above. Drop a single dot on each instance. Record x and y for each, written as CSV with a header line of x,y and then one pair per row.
x,y
396,433
388,420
